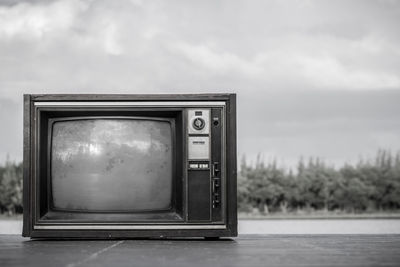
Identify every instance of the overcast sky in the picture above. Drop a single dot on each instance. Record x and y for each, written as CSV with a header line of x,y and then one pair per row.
x,y
313,78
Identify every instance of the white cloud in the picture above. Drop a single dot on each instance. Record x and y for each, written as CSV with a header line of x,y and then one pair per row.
x,y
328,72
312,63
217,61
111,44
330,62
27,20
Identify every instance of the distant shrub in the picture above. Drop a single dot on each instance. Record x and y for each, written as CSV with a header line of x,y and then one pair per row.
x,y
368,186
11,188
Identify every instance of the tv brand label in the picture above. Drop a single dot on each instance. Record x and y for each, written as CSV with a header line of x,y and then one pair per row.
x,y
199,147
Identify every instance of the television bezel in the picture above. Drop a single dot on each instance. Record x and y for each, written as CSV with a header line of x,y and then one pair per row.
x,y
180,230
50,130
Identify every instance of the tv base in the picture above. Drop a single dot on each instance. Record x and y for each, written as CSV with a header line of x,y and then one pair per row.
x,y
211,238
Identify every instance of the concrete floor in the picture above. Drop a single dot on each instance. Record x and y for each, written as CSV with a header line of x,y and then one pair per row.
x,y
246,250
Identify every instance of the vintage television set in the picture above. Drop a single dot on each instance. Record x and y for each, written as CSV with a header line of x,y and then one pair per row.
x,y
127,166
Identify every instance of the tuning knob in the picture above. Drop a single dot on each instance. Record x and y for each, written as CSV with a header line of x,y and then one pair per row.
x,y
198,123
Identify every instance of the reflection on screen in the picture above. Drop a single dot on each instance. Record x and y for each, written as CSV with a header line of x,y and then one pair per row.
x,y
111,165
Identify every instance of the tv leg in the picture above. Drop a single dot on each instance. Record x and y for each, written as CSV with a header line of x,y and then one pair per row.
x,y
211,238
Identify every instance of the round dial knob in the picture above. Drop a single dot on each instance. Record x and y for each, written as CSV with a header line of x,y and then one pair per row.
x,y
198,123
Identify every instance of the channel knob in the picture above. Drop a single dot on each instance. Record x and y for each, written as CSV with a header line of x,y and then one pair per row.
x,y
198,123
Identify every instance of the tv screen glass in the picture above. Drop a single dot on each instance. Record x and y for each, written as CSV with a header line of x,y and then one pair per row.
x,y
111,165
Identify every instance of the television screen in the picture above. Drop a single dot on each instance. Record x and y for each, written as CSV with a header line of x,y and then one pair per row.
x,y
112,165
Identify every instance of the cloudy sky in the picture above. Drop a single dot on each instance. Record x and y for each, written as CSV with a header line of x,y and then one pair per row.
x,y
313,78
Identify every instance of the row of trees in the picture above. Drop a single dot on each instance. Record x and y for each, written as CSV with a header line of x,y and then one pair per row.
x,y
368,186
11,188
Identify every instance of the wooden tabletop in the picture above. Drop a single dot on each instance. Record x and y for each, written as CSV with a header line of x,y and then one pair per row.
x,y
246,250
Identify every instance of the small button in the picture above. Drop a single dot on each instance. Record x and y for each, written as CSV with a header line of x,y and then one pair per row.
x,y
215,121
203,166
193,166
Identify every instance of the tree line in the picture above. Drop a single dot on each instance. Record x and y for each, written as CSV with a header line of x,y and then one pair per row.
x,y
368,186
11,188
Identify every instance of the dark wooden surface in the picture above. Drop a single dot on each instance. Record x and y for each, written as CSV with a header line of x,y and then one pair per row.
x,y
246,250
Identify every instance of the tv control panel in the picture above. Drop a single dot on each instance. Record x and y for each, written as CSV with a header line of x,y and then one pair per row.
x,y
204,164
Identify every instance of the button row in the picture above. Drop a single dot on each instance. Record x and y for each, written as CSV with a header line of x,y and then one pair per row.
x,y
198,166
